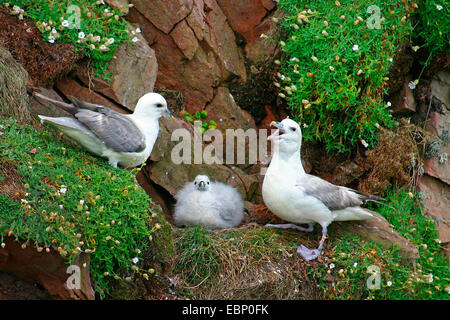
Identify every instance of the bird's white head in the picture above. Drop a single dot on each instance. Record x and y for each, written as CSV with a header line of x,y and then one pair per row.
x,y
202,183
152,105
287,137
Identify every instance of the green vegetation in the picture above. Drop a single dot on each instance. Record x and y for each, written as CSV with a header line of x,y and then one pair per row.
x,y
348,270
75,203
433,26
198,255
205,257
94,28
199,116
337,59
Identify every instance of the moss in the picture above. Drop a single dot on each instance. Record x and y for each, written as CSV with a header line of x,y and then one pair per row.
x,y
76,202
162,250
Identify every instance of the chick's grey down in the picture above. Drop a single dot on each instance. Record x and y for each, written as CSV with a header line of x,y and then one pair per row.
x,y
124,139
213,205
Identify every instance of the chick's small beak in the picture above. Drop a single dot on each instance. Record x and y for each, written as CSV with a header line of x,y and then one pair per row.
x,y
201,184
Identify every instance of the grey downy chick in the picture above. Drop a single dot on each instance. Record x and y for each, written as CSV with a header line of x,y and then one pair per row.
x,y
213,205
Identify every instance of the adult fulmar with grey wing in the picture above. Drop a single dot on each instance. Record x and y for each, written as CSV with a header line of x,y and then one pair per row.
x,y
124,139
295,196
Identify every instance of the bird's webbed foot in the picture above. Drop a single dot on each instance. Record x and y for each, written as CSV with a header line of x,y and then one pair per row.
x,y
308,254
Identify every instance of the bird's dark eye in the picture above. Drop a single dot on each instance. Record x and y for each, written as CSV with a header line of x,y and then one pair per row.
x,y
159,105
293,129
207,182
195,183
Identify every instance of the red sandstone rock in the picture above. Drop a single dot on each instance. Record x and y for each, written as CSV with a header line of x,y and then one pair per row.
x,y
196,19
48,269
185,39
435,167
224,110
243,16
221,39
437,204
134,73
70,87
403,102
122,5
162,13
268,4
260,48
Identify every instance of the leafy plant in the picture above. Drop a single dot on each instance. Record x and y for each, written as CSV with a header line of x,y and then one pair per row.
x,y
433,25
334,75
90,25
199,116
354,258
75,203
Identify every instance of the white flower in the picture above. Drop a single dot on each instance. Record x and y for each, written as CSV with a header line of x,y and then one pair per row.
x,y
135,39
331,68
355,264
355,47
429,277
331,266
110,41
51,39
103,48
314,58
65,23
390,59
96,39
415,48
439,7
135,260
54,31
389,283
138,30
81,35
325,33
63,190
412,84
364,143
81,201
389,104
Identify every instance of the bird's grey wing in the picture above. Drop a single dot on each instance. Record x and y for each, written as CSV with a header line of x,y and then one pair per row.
x,y
115,130
85,105
332,196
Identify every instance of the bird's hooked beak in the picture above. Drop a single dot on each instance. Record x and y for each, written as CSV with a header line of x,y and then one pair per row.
x,y
168,114
277,133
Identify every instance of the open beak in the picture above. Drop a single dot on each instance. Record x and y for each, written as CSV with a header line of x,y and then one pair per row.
x,y
278,132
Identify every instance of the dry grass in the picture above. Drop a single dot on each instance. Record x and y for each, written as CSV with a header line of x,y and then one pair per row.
x,y
13,93
250,262
396,160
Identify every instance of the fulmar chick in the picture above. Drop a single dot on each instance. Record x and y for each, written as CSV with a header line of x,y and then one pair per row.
x,y
213,205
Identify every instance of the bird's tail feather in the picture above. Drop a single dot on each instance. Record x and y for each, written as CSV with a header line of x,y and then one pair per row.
x,y
60,104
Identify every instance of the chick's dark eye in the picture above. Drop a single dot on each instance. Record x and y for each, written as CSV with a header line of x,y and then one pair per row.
x,y
159,105
293,129
195,182
207,182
